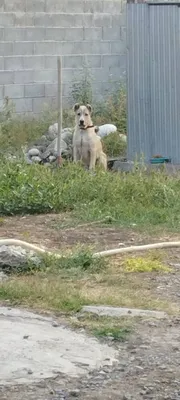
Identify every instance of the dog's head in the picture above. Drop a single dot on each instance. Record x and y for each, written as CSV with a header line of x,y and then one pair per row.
x,y
83,115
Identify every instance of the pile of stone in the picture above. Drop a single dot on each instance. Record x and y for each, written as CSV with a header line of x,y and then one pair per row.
x,y
44,150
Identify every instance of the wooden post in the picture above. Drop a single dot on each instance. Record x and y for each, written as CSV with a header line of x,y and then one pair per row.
x,y
59,69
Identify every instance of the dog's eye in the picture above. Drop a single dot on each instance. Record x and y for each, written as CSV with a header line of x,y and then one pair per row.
x,y
86,114
79,114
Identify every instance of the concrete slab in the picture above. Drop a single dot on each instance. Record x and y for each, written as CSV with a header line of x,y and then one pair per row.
x,y
118,312
32,348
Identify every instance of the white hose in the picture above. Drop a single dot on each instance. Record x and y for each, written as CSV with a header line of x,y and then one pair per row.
x,y
106,253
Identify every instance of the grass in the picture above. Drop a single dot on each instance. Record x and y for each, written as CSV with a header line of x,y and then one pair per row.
x,y
124,199
145,264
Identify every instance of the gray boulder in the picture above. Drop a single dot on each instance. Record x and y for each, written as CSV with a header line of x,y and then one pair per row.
x,y
33,152
15,258
52,149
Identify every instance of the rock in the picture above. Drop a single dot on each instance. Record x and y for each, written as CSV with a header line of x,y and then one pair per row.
x,y
124,166
15,258
33,152
53,129
36,159
52,149
105,130
3,277
52,159
28,159
123,137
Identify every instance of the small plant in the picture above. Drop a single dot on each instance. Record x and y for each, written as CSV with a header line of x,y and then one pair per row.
x,y
82,90
114,146
145,264
114,332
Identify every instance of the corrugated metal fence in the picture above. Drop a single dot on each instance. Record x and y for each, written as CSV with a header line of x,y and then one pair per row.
x,y
153,80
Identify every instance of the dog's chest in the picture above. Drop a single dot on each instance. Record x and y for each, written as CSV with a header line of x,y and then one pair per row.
x,y
83,141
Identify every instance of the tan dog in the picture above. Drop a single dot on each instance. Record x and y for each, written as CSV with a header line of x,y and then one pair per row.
x,y
87,146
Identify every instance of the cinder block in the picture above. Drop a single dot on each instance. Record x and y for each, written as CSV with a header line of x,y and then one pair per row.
x,y
58,20
6,48
40,103
50,62
92,61
14,91
35,90
99,74
63,34
85,47
92,6
48,48
72,75
111,61
34,62
14,34
23,77
112,7
118,20
102,20
73,61
23,105
35,5
2,63
2,5
46,76
93,34
13,63
111,33
118,47
6,77
68,6
114,74
35,34
1,92
2,34
7,19
24,19
14,5
23,48
51,90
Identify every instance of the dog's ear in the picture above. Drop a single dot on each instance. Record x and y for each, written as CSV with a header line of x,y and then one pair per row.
x,y
89,107
76,107
96,129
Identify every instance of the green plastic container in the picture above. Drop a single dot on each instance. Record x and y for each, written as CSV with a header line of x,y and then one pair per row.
x,y
159,160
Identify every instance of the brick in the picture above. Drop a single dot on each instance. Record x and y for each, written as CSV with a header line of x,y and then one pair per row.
x,y
24,19
102,20
14,5
93,34
7,19
73,61
72,75
14,34
118,47
6,77
23,48
114,73
23,77
6,48
34,62
50,90
111,33
35,5
1,92
13,63
93,61
92,6
63,34
72,6
99,74
118,20
35,34
14,91
85,47
23,105
46,76
35,90
1,63
111,61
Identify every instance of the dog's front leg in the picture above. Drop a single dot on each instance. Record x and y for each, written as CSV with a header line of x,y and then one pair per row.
x,y
75,155
92,163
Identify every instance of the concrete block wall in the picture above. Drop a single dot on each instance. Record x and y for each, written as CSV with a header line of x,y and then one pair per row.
x,y
34,32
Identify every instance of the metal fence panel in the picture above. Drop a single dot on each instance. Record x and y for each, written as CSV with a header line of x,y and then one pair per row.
x,y
153,76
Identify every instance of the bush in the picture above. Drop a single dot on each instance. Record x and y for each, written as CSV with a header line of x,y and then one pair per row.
x,y
114,146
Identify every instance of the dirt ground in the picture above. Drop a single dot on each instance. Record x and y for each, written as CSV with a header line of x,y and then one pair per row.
x,y
149,362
